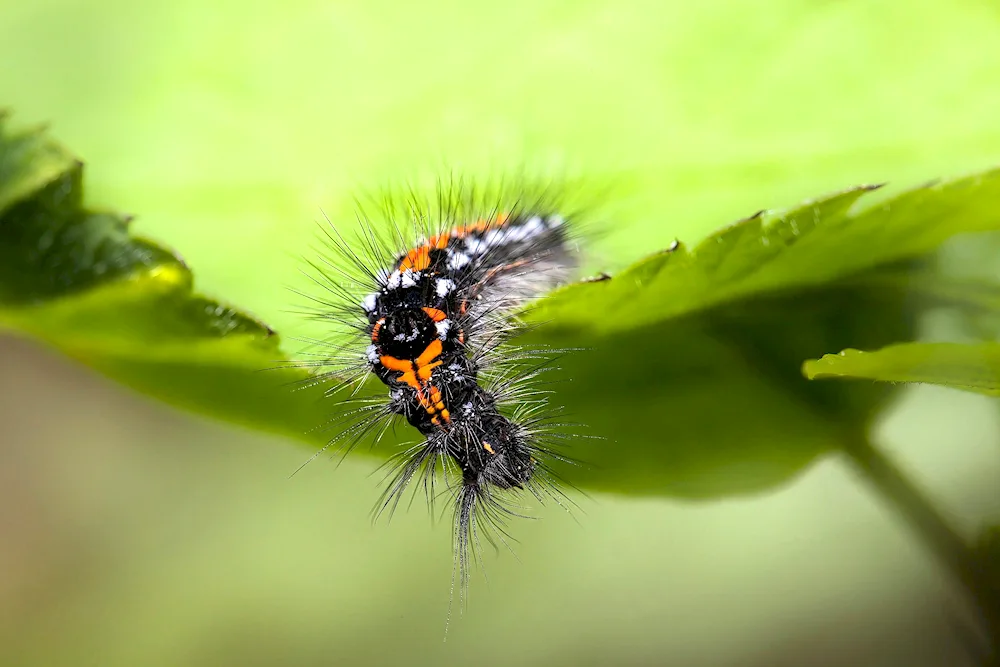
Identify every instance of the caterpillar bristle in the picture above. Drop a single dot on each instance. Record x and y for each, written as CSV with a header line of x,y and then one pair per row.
x,y
425,299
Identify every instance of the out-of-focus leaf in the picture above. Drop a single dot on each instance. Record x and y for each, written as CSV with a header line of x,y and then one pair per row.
x,y
961,366
78,280
690,369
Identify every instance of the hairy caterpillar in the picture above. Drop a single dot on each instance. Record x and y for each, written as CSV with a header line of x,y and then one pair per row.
x,y
425,299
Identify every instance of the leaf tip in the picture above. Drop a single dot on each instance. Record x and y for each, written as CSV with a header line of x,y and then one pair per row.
x,y
824,367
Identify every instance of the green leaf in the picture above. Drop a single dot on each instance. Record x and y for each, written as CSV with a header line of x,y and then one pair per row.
x,y
814,244
725,325
712,402
78,280
961,366
690,372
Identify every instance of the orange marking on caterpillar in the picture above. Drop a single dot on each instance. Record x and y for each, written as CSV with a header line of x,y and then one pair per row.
x,y
376,328
417,259
489,448
430,353
394,364
438,412
440,241
404,366
424,372
417,373
410,379
435,314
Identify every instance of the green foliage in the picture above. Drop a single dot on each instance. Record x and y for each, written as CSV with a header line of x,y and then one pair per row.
x,y
969,367
227,127
815,244
76,279
689,371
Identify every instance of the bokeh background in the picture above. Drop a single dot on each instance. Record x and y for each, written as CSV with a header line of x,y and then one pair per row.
x,y
133,534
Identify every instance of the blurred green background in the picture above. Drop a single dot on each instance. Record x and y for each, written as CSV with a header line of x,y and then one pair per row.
x,y
136,535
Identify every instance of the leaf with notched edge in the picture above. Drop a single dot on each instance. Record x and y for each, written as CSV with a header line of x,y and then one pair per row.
x,y
78,280
814,244
690,368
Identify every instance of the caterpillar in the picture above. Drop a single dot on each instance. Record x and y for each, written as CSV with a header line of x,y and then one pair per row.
x,y
427,294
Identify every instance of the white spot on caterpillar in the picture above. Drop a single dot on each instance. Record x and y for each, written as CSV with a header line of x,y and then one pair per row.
x,y
494,237
457,260
443,287
475,246
372,354
442,328
393,281
516,234
402,337
533,226
369,303
409,278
